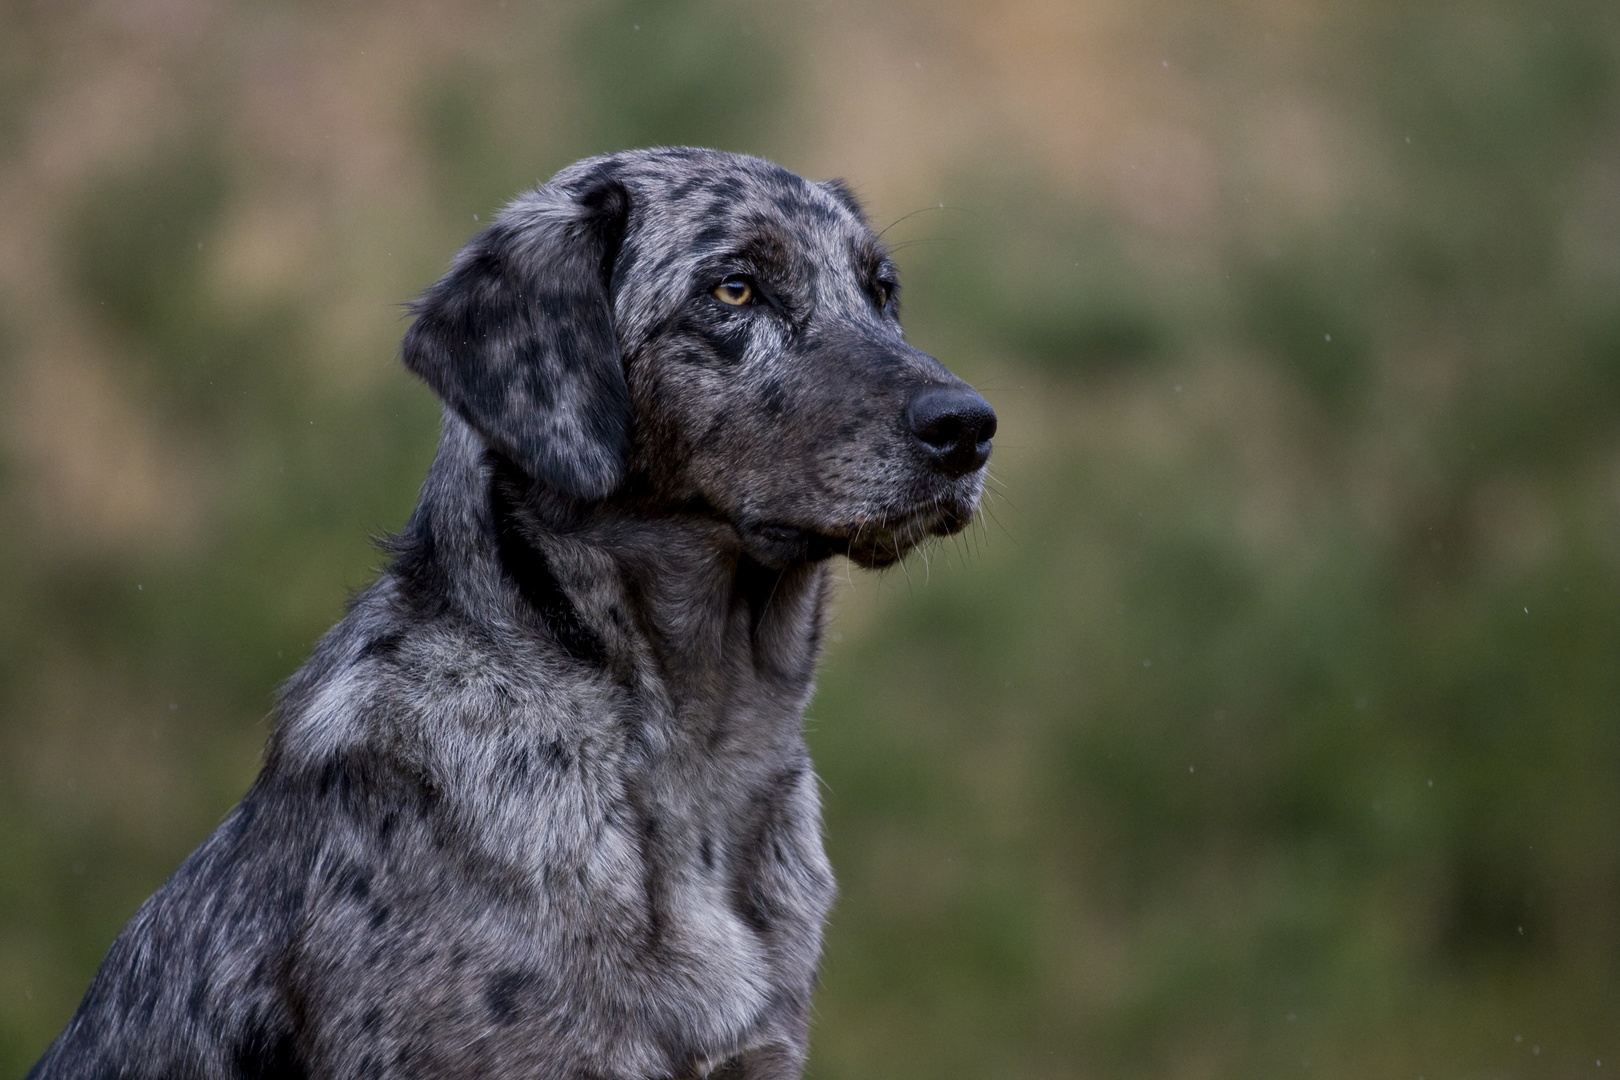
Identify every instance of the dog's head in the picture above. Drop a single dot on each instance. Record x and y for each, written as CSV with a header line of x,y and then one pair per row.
x,y
707,332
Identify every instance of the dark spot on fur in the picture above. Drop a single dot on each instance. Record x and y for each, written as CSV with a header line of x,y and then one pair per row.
x,y
712,435
503,991
714,232
526,567
263,1054
767,817
791,204
381,647
706,852
554,756
197,1001
751,906
608,203
728,342
337,778
839,190
623,270
423,583
772,398
359,884
379,915
652,879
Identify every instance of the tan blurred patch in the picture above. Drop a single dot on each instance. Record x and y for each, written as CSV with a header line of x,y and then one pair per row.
x,y
1167,182
1094,92
1099,98
1515,527
1294,154
264,252
164,23
100,475
105,104
888,106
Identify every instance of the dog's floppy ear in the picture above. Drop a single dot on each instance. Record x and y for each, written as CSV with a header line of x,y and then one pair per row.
x,y
518,337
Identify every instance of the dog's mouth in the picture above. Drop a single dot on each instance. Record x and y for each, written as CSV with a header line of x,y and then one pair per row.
x,y
872,541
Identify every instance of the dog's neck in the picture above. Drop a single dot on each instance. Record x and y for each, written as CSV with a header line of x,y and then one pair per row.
x,y
668,603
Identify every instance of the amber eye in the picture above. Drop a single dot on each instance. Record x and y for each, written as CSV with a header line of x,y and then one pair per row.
x,y
735,291
883,292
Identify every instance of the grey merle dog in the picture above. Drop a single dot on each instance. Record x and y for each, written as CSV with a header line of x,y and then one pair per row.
x,y
540,804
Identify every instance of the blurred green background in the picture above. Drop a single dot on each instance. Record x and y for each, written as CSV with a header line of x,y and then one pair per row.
x,y
1267,725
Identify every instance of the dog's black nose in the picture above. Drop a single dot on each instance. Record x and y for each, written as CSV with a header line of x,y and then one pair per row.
x,y
955,424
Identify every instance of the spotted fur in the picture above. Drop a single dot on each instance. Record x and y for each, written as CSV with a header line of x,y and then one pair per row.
x,y
540,805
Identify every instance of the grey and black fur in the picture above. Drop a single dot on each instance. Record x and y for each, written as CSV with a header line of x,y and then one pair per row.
x,y
539,806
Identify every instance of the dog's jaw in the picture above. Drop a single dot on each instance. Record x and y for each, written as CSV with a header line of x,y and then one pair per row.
x,y
870,540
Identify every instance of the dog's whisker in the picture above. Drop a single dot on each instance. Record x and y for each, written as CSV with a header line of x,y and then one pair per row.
x,y
924,240
924,210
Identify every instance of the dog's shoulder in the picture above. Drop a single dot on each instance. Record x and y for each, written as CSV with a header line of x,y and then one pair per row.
x,y
195,983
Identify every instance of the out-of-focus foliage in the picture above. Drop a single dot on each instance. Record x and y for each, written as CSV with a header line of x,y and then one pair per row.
x,y
1268,725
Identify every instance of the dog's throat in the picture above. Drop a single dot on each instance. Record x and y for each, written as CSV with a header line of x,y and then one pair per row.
x,y
525,566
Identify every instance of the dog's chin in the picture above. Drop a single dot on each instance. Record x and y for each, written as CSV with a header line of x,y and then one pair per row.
x,y
876,548
871,544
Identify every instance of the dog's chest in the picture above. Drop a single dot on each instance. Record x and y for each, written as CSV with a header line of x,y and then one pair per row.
x,y
631,862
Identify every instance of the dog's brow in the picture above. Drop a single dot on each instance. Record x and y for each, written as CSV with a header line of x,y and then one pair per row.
x,y
763,251
872,262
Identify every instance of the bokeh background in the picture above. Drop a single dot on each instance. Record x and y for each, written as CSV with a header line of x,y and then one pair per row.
x,y
1268,724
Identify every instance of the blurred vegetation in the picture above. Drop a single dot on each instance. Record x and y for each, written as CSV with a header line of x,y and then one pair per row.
x,y
1268,726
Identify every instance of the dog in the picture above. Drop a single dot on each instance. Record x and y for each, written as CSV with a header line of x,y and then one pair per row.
x,y
540,804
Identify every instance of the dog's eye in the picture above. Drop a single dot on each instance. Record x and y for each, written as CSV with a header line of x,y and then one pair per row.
x,y
735,291
883,292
